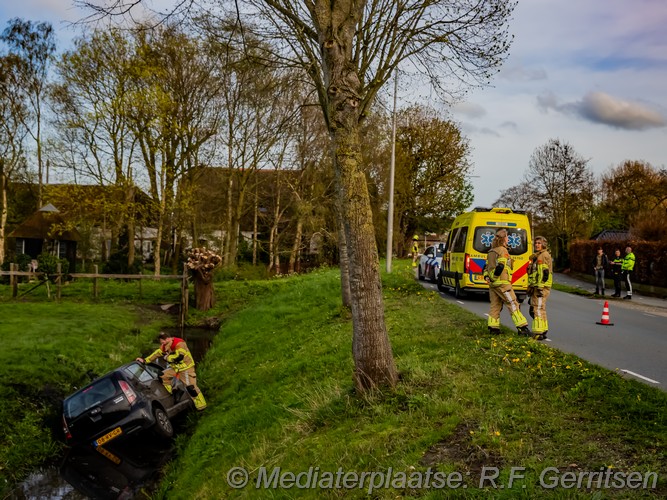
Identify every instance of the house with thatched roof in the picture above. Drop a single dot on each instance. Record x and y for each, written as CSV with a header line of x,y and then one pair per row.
x,y
46,231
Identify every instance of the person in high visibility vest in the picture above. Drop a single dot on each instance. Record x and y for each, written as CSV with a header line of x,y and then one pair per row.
x,y
181,365
540,279
498,274
628,266
415,250
617,272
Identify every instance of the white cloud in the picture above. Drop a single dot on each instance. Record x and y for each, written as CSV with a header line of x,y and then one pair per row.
x,y
469,109
599,107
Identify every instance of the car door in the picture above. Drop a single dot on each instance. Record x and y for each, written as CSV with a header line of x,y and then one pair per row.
x,y
146,379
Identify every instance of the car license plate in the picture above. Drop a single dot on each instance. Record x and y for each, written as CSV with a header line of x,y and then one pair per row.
x,y
109,436
108,454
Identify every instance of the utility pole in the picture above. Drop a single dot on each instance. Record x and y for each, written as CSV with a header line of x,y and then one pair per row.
x,y
390,211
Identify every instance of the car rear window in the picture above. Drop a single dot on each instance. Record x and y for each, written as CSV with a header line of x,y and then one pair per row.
x,y
518,239
91,396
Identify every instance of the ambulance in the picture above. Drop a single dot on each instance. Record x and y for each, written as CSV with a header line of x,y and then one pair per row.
x,y
470,240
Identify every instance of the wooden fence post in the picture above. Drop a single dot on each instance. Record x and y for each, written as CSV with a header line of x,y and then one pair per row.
x,y
95,282
14,280
59,280
184,297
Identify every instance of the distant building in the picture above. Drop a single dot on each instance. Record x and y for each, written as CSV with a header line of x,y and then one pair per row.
x,y
46,231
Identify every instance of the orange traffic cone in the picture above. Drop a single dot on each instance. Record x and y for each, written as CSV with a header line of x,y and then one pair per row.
x,y
605,316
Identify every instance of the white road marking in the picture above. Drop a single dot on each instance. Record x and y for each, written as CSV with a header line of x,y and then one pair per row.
x,y
650,315
641,376
460,302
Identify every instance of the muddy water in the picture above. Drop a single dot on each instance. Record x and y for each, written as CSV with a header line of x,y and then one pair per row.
x,y
121,470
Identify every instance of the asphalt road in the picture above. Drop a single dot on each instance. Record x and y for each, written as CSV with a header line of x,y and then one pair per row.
x,y
636,344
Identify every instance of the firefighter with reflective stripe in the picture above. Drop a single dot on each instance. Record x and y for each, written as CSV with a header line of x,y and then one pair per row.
x,y
498,274
415,250
628,266
540,279
181,365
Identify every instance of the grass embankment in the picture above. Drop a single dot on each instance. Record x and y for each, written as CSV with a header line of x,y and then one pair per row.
x,y
278,381
280,393
52,348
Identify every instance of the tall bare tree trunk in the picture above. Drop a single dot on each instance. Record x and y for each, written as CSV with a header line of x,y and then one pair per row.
x,y
254,228
295,254
129,200
3,214
227,227
337,23
373,358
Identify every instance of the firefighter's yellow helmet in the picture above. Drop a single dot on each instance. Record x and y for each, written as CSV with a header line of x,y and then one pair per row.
x,y
415,237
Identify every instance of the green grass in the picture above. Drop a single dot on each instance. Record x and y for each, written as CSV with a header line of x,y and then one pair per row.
x,y
279,384
278,381
52,348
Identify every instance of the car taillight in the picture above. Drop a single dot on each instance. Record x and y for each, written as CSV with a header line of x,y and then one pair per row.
x,y
68,434
466,264
130,395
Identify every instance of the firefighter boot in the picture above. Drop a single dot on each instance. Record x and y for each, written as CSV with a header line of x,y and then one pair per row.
x,y
524,331
494,325
200,402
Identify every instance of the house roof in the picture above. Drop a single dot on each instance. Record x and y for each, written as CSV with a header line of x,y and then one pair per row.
x,y
45,223
612,235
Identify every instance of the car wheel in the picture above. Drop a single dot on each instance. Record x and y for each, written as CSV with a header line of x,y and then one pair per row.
x,y
520,298
458,292
163,427
441,283
420,275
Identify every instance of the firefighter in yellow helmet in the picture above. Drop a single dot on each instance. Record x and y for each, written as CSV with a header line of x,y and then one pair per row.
x,y
415,250
498,274
540,279
181,366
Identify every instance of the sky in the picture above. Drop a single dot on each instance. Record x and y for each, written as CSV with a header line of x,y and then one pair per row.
x,y
590,73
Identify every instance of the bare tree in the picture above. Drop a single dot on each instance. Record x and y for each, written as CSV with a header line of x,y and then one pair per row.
x,y
562,186
175,111
13,111
34,45
90,100
519,197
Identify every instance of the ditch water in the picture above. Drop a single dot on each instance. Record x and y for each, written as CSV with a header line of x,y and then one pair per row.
x,y
121,469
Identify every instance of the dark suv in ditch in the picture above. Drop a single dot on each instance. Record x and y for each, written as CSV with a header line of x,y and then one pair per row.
x,y
129,399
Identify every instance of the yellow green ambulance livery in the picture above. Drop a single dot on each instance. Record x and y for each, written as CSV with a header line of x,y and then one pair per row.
x,y
469,241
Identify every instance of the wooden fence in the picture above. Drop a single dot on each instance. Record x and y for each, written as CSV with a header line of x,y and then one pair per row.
x,y
57,280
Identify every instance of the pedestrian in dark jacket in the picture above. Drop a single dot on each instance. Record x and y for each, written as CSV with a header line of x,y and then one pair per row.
x,y
600,263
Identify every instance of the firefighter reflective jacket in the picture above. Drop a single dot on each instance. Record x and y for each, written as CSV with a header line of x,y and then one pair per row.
x,y
540,270
177,354
498,267
628,262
